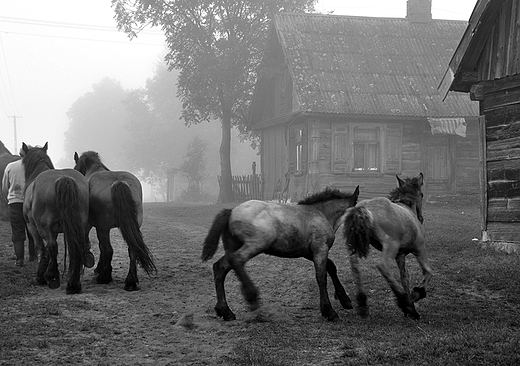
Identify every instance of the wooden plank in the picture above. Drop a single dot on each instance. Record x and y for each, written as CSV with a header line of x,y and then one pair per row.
x,y
507,232
483,173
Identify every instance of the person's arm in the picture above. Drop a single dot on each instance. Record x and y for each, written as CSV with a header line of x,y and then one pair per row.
x,y
5,184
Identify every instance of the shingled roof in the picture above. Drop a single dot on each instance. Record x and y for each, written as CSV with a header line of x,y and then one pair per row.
x,y
371,66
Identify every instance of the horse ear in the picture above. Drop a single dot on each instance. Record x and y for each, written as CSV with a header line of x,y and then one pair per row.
x,y
76,157
356,193
421,179
399,181
24,147
46,146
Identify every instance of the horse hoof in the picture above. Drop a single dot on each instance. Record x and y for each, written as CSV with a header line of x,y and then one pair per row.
x,y
131,287
53,284
418,294
103,280
226,314
331,317
89,260
41,281
362,311
412,314
345,301
71,290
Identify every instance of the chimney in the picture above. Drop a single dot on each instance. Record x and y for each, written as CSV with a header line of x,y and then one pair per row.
x,y
419,11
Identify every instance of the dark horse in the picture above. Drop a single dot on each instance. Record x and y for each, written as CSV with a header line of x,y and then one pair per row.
x,y
56,201
5,158
393,226
289,231
116,200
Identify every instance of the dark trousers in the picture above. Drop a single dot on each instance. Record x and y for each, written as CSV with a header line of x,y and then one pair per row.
x,y
19,227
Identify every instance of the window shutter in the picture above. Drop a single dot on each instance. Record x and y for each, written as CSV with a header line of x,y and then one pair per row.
x,y
393,149
340,149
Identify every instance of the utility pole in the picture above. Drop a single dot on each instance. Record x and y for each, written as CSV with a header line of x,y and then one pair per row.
x,y
16,148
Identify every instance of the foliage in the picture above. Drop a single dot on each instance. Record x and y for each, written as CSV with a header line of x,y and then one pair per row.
x,y
97,122
217,46
194,167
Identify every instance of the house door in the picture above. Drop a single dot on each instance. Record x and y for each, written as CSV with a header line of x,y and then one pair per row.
x,y
437,164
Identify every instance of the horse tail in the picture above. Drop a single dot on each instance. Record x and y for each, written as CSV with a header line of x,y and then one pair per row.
x,y
68,204
358,230
214,233
125,217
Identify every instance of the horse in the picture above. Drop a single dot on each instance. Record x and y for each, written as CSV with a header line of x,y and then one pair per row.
x,y
5,158
393,226
56,201
288,231
116,200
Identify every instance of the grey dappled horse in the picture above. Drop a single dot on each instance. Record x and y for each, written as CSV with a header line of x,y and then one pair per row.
x,y
283,230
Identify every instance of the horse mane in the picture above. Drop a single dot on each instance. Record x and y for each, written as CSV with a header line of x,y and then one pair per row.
x,y
32,160
90,159
3,149
406,193
326,195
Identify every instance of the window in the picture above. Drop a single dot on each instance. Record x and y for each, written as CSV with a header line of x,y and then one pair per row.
x,y
366,148
299,150
366,142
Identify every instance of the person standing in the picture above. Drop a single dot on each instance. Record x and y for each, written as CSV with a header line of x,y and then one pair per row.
x,y
13,184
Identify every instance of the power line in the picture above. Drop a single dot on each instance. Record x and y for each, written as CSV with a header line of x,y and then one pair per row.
x,y
89,27
82,39
47,23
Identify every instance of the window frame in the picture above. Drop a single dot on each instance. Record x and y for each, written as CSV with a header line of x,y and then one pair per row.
x,y
387,142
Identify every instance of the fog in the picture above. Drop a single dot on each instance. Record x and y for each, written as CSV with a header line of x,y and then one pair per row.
x,y
53,52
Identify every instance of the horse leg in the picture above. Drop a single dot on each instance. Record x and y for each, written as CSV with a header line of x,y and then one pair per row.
x,y
320,260
405,279
41,253
339,290
52,274
238,260
220,270
420,292
361,296
403,299
104,267
131,280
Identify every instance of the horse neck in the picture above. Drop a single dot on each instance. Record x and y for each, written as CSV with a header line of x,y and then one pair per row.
x,y
332,211
35,172
93,169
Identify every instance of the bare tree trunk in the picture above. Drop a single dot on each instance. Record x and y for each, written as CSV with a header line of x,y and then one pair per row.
x,y
226,191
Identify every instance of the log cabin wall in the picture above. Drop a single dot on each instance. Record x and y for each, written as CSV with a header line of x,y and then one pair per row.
x,y
463,177
501,108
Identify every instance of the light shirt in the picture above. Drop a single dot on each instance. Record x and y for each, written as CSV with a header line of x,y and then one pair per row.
x,y
13,182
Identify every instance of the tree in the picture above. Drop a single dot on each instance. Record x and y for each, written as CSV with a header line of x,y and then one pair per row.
x,y
194,167
97,122
217,45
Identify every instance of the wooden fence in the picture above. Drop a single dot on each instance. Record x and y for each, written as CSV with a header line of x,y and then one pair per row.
x,y
246,187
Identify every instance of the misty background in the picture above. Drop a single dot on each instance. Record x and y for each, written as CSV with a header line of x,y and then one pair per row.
x,y
68,75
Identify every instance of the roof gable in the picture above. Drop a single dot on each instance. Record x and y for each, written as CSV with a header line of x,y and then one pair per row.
x,y
374,66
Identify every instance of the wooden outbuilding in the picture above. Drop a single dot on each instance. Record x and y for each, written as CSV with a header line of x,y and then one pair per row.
x,y
486,64
344,100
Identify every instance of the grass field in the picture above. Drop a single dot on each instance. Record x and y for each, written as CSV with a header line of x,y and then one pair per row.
x,y
471,315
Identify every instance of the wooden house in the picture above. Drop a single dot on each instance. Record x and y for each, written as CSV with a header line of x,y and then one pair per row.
x,y
344,100
486,64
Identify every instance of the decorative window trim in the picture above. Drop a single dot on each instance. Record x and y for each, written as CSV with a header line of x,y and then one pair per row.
x,y
387,148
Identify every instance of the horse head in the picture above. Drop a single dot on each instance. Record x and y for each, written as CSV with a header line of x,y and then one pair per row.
x,y
89,161
35,160
409,193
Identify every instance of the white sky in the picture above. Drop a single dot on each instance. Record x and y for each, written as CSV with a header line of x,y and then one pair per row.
x,y
53,51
